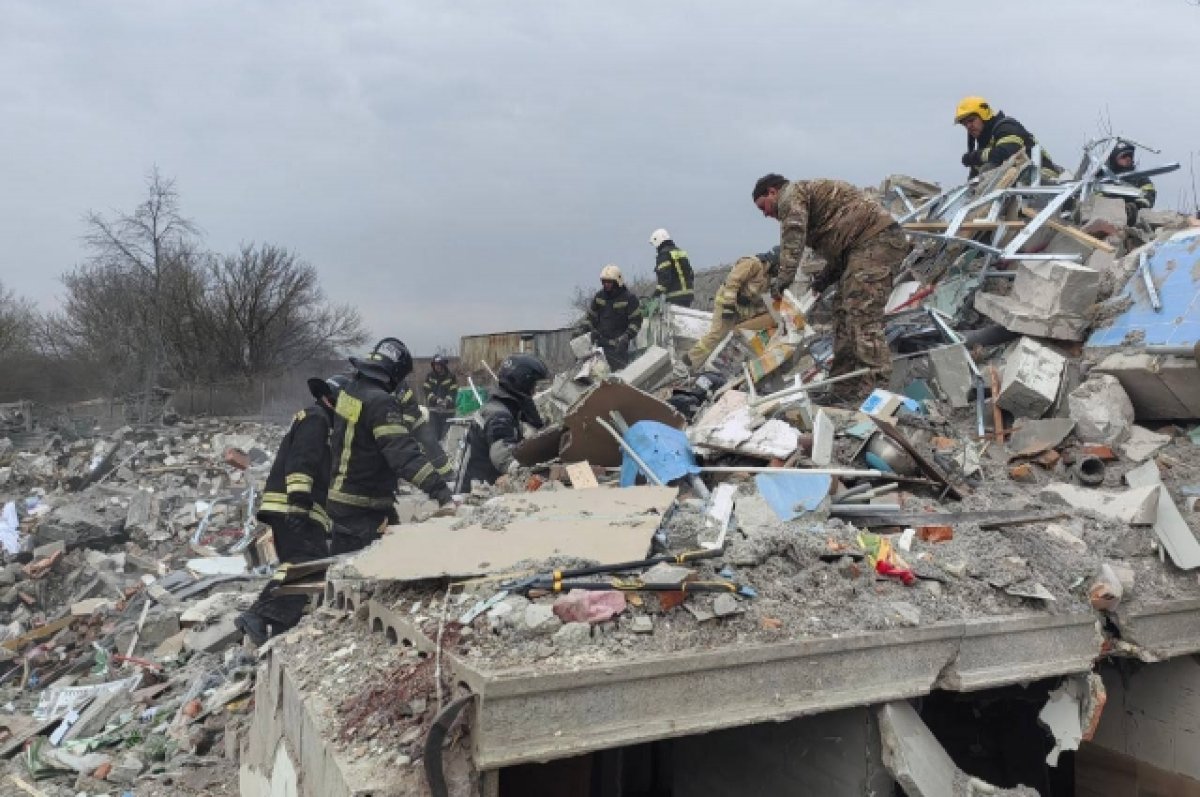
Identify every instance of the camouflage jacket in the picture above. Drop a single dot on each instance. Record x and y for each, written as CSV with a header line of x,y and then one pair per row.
x,y
830,216
745,284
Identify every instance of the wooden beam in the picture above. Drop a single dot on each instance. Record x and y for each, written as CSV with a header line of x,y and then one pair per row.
x,y
1073,232
967,226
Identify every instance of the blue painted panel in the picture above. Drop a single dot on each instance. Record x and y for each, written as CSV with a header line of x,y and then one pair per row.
x,y
665,451
1175,267
791,494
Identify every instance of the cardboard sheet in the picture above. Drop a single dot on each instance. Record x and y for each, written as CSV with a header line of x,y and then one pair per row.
x,y
604,525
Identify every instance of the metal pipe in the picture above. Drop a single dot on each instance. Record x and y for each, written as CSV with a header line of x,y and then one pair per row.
x,y
841,472
798,389
1090,471
865,509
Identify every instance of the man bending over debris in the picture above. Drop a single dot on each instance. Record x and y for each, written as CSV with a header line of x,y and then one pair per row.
x,y
416,418
373,448
862,246
993,138
739,298
293,505
495,433
614,317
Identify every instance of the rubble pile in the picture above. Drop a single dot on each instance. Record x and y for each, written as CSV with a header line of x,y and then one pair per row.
x,y
1034,454
126,560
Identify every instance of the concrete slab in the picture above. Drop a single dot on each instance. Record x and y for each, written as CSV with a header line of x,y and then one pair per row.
x,y
1143,443
648,370
605,525
1170,526
1049,299
1033,437
912,755
952,373
1137,506
1161,387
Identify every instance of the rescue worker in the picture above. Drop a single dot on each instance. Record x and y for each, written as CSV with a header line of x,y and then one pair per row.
x,y
1121,162
293,505
419,423
441,392
673,270
739,298
993,138
373,447
614,317
496,431
862,246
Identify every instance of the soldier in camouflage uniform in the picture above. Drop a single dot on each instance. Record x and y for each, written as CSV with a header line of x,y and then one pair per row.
x,y
738,299
862,245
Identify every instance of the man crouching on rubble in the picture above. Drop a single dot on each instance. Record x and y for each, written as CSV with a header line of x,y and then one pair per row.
x,y
495,433
862,245
739,299
293,505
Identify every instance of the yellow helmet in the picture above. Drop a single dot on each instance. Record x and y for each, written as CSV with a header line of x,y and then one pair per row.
x,y
612,272
972,105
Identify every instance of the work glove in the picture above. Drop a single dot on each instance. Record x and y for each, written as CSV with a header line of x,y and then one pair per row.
x,y
443,496
973,158
620,341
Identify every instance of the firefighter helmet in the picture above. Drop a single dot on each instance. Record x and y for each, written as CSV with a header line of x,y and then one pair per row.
x,y
388,362
770,257
659,237
611,273
969,106
520,373
328,388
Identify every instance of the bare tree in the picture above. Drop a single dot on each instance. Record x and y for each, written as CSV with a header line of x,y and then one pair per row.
x,y
138,251
269,312
18,323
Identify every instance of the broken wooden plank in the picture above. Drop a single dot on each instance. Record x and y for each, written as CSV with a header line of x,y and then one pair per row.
x,y
1072,232
581,475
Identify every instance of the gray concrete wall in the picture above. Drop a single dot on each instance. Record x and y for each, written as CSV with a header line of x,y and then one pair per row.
x,y
836,754
1153,715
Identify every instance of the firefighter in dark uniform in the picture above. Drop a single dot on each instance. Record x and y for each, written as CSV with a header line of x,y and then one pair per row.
x,y
673,270
614,317
373,447
422,431
1121,162
441,392
993,138
497,430
293,505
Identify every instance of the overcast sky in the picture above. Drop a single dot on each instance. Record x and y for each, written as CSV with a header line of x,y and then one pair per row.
x,y
456,168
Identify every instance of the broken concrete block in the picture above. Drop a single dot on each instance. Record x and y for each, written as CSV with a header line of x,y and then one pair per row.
x,y
573,634
642,625
1161,387
1034,437
1106,209
1143,443
665,574
1170,526
823,431
725,605
1072,713
86,608
1031,378
1137,506
587,606
1049,299
214,638
952,372
648,370
539,619
1101,409
142,517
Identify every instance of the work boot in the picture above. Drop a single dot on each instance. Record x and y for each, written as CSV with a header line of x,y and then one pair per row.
x,y
252,626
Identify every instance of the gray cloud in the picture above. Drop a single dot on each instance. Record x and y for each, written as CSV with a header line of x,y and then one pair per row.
x,y
459,168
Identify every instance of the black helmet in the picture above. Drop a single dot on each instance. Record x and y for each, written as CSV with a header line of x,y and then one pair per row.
x,y
520,373
328,388
389,362
440,359
1122,148
770,257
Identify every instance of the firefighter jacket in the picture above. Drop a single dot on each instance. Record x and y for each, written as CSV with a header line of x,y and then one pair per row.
x,y
674,273
490,440
1143,184
422,431
373,447
611,316
743,288
440,391
829,216
298,483
1001,138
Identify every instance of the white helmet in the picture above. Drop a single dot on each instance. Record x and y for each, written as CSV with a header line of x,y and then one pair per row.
x,y
612,272
658,236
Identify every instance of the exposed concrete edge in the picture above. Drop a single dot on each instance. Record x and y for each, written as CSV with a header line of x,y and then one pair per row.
x,y
286,718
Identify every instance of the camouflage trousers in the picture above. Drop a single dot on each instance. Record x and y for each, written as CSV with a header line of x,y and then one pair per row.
x,y
863,291
720,326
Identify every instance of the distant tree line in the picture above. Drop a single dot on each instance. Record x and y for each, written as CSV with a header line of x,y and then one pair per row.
x,y
151,307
